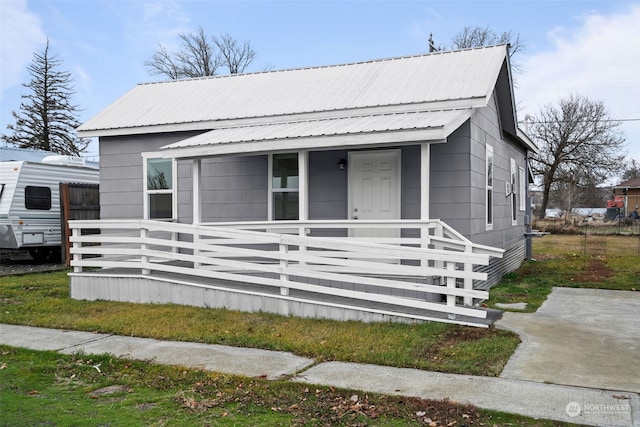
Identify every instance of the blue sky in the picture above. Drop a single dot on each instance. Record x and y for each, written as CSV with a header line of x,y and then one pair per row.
x,y
571,46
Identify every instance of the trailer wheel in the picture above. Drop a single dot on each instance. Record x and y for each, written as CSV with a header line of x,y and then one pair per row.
x,y
42,255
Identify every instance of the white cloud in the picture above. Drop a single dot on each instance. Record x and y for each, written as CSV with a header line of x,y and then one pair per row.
x,y
157,23
21,34
599,59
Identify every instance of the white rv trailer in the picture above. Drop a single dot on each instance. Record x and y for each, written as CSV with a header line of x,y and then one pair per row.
x,y
30,201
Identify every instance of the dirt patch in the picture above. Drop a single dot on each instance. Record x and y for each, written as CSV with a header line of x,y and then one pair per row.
x,y
596,271
455,337
112,389
145,406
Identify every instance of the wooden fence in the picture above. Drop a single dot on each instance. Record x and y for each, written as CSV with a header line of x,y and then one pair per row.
x,y
77,201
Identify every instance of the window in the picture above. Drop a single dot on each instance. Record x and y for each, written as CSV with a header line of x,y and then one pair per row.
x,y
489,186
37,198
284,186
159,188
523,188
514,192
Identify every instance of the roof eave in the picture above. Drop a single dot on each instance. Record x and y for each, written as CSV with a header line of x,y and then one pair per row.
x,y
317,143
528,142
206,125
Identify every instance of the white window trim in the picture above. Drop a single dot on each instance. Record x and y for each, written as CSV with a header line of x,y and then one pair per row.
x,y
523,188
282,190
489,154
146,192
515,189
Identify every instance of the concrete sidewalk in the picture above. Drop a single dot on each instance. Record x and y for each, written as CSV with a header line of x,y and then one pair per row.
x,y
557,402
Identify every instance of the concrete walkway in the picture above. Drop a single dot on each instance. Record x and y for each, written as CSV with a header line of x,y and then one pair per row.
x,y
602,399
580,337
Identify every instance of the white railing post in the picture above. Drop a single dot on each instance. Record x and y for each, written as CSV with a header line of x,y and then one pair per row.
x,y
424,241
438,232
302,231
468,282
196,250
284,277
144,259
174,238
75,232
451,283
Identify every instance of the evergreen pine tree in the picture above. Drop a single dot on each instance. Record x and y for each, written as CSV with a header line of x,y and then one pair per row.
x,y
47,118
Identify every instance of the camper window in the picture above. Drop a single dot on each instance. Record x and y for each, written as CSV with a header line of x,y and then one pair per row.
x,y
37,198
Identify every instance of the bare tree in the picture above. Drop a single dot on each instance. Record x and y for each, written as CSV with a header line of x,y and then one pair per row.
x,y
163,63
200,57
577,138
47,118
478,36
235,57
631,170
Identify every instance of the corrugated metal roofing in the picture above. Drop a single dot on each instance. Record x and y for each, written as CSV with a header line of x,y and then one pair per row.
x,y
444,121
434,77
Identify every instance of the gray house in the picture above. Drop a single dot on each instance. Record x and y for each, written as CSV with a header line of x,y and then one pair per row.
x,y
388,189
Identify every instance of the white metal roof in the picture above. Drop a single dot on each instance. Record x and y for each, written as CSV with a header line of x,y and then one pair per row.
x,y
387,128
449,79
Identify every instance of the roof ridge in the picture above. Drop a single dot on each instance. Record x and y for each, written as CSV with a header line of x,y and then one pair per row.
x,y
315,67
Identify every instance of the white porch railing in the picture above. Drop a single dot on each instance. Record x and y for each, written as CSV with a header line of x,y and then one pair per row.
x,y
421,262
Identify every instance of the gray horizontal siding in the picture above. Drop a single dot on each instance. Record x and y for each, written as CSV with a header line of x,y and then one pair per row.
x,y
498,267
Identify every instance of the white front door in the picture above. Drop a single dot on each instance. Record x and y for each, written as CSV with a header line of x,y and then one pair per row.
x,y
374,189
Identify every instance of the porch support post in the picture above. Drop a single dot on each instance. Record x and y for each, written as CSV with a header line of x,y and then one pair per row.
x,y
195,176
303,185
303,197
425,161
197,209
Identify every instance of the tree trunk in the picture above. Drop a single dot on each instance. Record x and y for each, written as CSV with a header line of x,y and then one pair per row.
x,y
545,198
